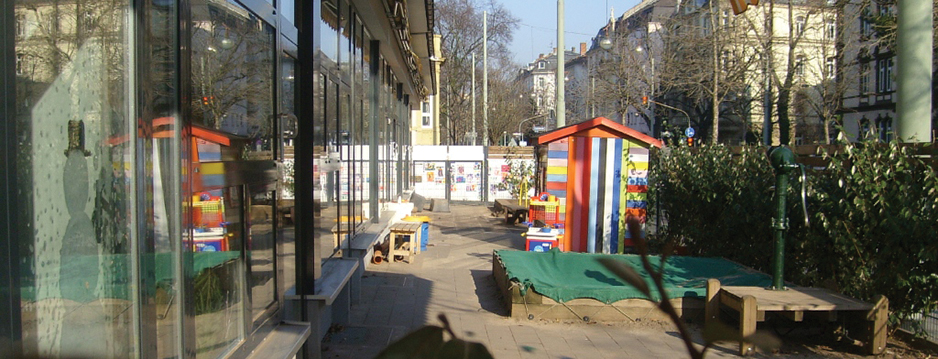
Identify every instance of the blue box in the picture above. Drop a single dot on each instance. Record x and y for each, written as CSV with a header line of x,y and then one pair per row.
x,y
540,245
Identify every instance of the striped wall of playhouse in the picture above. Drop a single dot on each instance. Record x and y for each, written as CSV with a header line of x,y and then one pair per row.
x,y
599,181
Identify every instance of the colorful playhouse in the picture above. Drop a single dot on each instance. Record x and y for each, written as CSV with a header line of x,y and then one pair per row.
x,y
598,170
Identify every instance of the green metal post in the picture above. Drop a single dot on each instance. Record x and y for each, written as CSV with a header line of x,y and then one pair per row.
x,y
783,161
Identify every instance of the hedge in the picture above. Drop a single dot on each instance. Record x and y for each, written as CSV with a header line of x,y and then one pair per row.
x,y
873,213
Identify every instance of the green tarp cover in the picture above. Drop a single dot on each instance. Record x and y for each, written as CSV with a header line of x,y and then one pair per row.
x,y
563,276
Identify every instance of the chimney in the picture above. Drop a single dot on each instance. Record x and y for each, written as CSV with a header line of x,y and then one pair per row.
x,y
554,51
582,48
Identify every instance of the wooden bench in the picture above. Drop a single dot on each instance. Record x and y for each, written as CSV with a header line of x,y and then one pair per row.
x,y
752,303
514,212
339,231
398,231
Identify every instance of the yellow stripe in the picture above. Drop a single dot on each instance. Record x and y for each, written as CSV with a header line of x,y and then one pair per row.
x,y
635,166
212,168
558,170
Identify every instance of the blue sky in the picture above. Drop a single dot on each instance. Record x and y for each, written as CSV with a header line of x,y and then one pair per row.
x,y
537,33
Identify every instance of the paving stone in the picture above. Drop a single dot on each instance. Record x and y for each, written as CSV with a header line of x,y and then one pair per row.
x,y
453,277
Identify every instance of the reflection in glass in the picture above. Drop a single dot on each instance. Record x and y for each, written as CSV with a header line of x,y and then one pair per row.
x,y
77,179
260,253
218,283
329,37
286,264
232,74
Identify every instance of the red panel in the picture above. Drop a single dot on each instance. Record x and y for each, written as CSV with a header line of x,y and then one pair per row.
x,y
584,151
557,185
637,189
571,188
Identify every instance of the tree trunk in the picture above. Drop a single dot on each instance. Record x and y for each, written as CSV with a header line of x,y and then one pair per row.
x,y
715,132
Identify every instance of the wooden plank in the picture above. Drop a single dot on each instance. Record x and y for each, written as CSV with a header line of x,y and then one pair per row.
x,y
731,300
712,309
747,322
879,318
799,299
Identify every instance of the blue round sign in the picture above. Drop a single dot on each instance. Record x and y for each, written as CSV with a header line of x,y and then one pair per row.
x,y
689,132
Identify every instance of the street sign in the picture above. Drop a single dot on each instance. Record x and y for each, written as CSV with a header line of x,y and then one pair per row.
x,y
689,132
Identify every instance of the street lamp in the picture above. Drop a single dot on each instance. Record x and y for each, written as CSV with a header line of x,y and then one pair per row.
x,y
651,87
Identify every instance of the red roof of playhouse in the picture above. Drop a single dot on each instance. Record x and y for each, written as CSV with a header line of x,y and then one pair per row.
x,y
598,127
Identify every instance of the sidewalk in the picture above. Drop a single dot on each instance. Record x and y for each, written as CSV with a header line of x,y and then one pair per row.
x,y
453,277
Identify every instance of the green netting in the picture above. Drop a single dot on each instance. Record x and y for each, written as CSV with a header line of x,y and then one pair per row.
x,y
563,276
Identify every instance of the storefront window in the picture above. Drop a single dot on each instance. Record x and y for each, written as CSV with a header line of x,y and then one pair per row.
x,y
77,180
287,202
235,129
260,252
232,75
218,239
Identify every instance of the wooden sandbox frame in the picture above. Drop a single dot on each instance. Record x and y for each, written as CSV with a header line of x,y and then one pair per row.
x,y
536,306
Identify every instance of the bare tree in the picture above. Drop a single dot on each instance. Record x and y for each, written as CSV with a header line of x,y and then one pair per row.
x,y
508,104
622,75
459,22
706,65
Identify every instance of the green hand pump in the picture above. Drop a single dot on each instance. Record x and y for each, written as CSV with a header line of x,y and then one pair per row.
x,y
783,161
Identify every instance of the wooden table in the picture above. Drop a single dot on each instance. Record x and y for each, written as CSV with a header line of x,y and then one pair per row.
x,y
398,231
513,211
753,302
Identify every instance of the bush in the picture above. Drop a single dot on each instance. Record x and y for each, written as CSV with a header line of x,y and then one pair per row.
x,y
873,211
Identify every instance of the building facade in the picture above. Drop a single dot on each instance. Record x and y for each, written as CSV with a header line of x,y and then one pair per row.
x,y
869,103
185,178
681,53
539,81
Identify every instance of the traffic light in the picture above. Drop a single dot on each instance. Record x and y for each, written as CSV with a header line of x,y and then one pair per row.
x,y
205,100
644,100
690,142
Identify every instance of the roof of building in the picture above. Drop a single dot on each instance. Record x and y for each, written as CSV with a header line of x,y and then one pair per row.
x,y
598,127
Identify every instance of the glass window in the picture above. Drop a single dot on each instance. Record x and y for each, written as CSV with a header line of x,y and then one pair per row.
x,y
884,75
285,208
830,29
866,24
799,65
329,36
830,67
77,183
20,25
218,240
288,10
864,78
21,64
232,76
345,33
799,25
884,126
260,252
